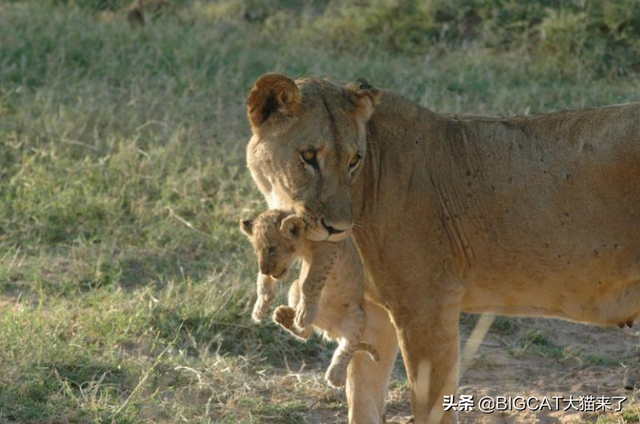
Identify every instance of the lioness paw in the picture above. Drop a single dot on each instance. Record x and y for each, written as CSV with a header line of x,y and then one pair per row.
x,y
337,375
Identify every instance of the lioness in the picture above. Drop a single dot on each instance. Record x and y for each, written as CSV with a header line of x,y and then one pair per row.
x,y
529,216
279,238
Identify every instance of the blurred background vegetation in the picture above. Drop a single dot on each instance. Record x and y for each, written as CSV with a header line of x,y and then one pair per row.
x,y
125,286
601,35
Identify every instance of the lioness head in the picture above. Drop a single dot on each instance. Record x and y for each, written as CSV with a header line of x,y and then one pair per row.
x,y
308,147
276,236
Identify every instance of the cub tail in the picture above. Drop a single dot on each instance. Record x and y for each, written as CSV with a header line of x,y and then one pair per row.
x,y
366,347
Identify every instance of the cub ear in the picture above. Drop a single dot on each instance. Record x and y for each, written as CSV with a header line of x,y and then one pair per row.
x,y
246,225
292,227
364,97
273,96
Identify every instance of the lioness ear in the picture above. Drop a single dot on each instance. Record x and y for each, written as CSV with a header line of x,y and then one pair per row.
x,y
273,96
365,97
292,227
246,225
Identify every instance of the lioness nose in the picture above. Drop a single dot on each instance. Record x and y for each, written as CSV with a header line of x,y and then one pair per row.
x,y
333,228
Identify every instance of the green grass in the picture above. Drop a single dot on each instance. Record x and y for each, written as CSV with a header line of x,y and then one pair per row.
x,y
125,284
631,416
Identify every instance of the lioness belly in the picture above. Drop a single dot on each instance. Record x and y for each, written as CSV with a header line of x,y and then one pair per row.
x,y
581,300
589,274
576,261
553,217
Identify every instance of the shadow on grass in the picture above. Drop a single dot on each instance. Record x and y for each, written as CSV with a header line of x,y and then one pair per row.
x,y
65,392
199,334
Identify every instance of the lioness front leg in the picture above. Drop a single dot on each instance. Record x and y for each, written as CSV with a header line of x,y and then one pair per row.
x,y
266,293
429,345
367,381
321,266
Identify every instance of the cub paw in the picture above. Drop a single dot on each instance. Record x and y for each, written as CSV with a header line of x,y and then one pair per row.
x,y
260,310
336,375
305,315
284,316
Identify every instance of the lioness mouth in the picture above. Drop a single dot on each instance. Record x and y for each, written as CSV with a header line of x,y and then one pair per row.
x,y
330,229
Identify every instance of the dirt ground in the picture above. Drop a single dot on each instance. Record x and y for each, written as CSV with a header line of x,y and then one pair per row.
x,y
544,357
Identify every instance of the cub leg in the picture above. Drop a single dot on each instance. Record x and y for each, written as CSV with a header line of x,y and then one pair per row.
x,y
266,294
351,332
283,316
321,266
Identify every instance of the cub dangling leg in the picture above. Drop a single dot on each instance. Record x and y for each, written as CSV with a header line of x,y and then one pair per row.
x,y
351,334
322,263
266,294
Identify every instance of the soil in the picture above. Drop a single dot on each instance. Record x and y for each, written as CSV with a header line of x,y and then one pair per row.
x,y
544,358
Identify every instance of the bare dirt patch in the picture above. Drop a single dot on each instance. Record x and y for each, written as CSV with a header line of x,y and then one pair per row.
x,y
543,357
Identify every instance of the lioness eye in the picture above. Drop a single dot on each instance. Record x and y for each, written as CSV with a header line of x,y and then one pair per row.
x,y
354,161
272,250
309,156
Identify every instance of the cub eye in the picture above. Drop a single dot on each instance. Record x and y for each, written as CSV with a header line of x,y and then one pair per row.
x,y
310,157
272,250
354,162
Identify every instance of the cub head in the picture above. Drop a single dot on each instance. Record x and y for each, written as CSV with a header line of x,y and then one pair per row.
x,y
308,147
276,237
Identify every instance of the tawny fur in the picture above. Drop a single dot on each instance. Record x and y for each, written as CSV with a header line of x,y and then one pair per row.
x,y
329,294
528,216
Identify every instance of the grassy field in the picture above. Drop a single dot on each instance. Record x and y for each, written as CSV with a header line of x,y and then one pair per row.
x,y
125,285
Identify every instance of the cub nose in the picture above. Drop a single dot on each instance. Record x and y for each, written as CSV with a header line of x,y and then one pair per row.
x,y
265,268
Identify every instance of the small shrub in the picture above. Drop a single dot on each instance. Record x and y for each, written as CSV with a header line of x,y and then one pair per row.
x,y
563,36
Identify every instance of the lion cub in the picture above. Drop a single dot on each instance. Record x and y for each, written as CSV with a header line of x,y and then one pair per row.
x,y
279,240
